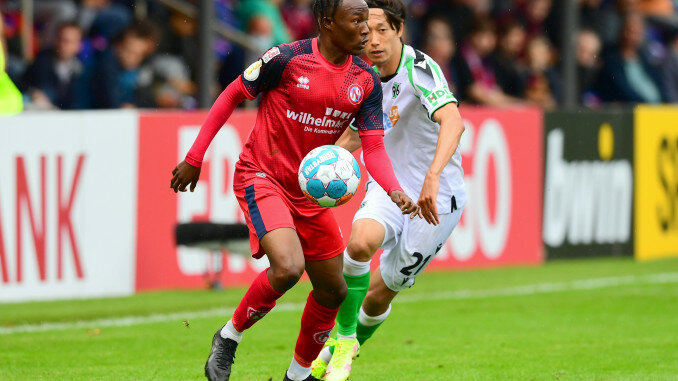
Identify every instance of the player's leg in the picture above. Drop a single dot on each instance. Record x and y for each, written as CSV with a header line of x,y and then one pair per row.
x,y
272,232
377,224
375,308
367,236
322,244
418,245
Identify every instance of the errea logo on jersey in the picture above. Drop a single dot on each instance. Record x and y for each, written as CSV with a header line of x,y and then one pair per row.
x,y
303,82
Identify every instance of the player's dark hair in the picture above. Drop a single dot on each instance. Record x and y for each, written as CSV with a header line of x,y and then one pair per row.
x,y
324,8
393,9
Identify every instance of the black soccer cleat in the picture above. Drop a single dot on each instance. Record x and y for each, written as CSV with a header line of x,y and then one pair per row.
x,y
222,355
309,378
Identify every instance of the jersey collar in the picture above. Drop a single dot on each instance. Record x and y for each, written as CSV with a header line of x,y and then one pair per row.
x,y
328,64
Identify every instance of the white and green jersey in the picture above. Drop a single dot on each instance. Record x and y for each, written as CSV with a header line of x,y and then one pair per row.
x,y
411,96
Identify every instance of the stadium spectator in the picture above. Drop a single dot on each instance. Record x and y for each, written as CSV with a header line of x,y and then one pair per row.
x,y
628,75
299,19
670,69
459,13
168,74
543,84
269,10
50,14
261,31
53,78
475,58
535,17
116,81
439,45
103,19
171,83
588,66
506,60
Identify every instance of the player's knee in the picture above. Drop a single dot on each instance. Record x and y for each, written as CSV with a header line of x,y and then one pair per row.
x,y
332,296
285,276
340,292
360,250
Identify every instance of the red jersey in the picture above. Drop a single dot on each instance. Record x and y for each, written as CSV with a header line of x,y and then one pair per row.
x,y
306,102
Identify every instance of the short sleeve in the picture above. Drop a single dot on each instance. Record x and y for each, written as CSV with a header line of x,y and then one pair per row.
x,y
370,117
429,83
265,73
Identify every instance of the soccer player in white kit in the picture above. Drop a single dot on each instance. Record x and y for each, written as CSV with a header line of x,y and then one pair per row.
x,y
423,129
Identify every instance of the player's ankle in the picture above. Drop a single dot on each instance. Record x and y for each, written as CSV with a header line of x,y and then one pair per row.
x,y
351,336
297,371
229,332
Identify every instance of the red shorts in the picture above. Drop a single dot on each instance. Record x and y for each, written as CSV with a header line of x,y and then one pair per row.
x,y
266,208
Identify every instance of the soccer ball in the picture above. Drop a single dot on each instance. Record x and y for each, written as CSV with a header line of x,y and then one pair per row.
x,y
329,176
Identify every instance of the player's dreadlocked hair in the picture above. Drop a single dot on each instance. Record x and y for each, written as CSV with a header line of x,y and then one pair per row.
x,y
324,8
393,9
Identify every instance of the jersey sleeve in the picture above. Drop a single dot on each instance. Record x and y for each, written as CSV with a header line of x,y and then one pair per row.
x,y
429,83
369,120
265,73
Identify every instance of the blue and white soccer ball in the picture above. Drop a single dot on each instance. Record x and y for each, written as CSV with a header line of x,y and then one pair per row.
x,y
329,176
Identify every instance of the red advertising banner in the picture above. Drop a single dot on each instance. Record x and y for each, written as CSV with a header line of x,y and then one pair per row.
x,y
502,158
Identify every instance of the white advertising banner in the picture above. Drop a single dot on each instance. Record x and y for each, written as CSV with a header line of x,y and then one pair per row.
x,y
68,187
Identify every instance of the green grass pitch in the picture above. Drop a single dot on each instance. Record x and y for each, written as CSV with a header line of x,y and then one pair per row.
x,y
603,319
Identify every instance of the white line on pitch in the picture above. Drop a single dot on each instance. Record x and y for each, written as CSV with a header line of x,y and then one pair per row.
x,y
530,289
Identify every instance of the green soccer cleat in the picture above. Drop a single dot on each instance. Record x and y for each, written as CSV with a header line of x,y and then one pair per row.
x,y
339,368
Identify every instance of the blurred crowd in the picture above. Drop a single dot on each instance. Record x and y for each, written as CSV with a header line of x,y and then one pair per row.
x,y
98,54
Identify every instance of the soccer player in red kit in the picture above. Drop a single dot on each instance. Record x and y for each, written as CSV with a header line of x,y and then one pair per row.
x,y
310,91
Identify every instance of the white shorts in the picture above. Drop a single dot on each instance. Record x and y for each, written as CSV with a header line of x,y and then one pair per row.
x,y
409,244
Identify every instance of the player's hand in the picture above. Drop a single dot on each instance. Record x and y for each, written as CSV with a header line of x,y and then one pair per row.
x,y
406,205
427,199
184,175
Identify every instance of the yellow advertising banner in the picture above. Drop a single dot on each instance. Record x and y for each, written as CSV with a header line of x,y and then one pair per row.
x,y
656,173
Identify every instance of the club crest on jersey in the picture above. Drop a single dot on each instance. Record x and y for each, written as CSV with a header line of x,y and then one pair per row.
x,y
252,71
274,51
355,94
321,337
396,90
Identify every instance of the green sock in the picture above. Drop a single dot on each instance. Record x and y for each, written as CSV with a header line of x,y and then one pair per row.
x,y
347,317
366,331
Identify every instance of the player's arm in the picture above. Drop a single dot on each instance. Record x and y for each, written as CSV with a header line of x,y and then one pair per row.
x,y
349,140
431,87
371,131
188,171
262,75
451,128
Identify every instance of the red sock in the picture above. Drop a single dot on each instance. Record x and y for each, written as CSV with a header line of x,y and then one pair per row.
x,y
316,323
259,299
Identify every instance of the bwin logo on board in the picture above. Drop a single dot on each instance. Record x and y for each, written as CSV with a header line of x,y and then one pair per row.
x,y
585,201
